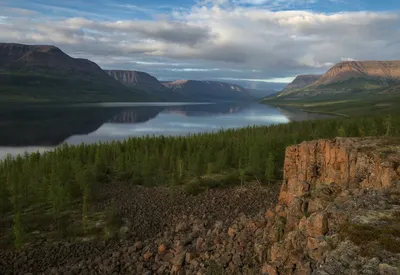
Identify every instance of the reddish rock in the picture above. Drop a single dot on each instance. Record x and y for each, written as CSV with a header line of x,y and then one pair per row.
x,y
147,256
161,249
317,224
268,270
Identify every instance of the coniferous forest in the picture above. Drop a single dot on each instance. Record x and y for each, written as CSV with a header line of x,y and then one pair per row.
x,y
47,186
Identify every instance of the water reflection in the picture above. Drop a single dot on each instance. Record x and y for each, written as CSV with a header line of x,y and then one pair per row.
x,y
31,128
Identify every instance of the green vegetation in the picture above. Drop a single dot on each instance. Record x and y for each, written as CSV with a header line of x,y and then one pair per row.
x,y
350,103
59,187
26,87
383,234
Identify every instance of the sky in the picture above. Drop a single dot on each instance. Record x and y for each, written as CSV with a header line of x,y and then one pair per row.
x,y
255,42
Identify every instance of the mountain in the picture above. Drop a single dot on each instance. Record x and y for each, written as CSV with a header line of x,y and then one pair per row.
x,y
136,79
370,77
208,90
373,70
256,93
46,73
301,81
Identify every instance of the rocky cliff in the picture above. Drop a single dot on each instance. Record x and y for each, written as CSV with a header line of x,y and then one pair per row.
x,y
136,78
338,209
208,89
338,212
360,69
301,81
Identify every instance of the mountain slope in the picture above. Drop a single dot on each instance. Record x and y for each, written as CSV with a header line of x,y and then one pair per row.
x,y
208,90
45,73
301,81
360,69
366,77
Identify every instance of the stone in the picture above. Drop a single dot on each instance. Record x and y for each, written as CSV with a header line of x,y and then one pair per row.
x,y
278,253
385,269
161,249
224,260
268,270
179,259
168,257
269,215
302,224
138,245
147,256
317,224
317,248
189,257
315,205
261,252
232,231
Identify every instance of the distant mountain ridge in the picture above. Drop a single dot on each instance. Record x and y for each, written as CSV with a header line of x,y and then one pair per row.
x,y
372,76
360,69
136,79
208,89
46,73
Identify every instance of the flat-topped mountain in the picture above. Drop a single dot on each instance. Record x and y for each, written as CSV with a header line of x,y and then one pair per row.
x,y
360,69
46,73
373,77
301,81
208,89
136,79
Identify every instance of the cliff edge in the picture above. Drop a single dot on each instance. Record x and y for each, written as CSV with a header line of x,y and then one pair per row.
x,y
338,210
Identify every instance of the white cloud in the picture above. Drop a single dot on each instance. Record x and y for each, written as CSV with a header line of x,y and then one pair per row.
x,y
218,39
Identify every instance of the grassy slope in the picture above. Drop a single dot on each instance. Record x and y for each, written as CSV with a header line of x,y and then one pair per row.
x,y
351,103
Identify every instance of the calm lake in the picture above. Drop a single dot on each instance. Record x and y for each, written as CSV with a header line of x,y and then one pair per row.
x,y
41,128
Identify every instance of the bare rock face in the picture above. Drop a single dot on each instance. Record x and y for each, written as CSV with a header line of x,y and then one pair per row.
x,y
136,78
338,199
349,69
301,81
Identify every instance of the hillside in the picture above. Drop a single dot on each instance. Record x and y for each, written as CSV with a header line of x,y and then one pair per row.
x,y
343,71
208,90
301,81
45,73
373,77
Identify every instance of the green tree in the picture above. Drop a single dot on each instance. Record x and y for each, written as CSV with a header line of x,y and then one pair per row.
x,y
270,169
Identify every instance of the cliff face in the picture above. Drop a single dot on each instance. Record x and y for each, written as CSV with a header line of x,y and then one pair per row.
x,y
208,89
301,81
337,205
365,69
136,78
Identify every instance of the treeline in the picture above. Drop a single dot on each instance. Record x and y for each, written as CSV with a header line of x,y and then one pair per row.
x,y
60,178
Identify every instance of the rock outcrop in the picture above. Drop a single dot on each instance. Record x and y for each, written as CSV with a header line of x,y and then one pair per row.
x,y
301,81
208,89
363,69
338,202
136,79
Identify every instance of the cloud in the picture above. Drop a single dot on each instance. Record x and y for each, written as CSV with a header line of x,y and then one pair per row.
x,y
217,39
